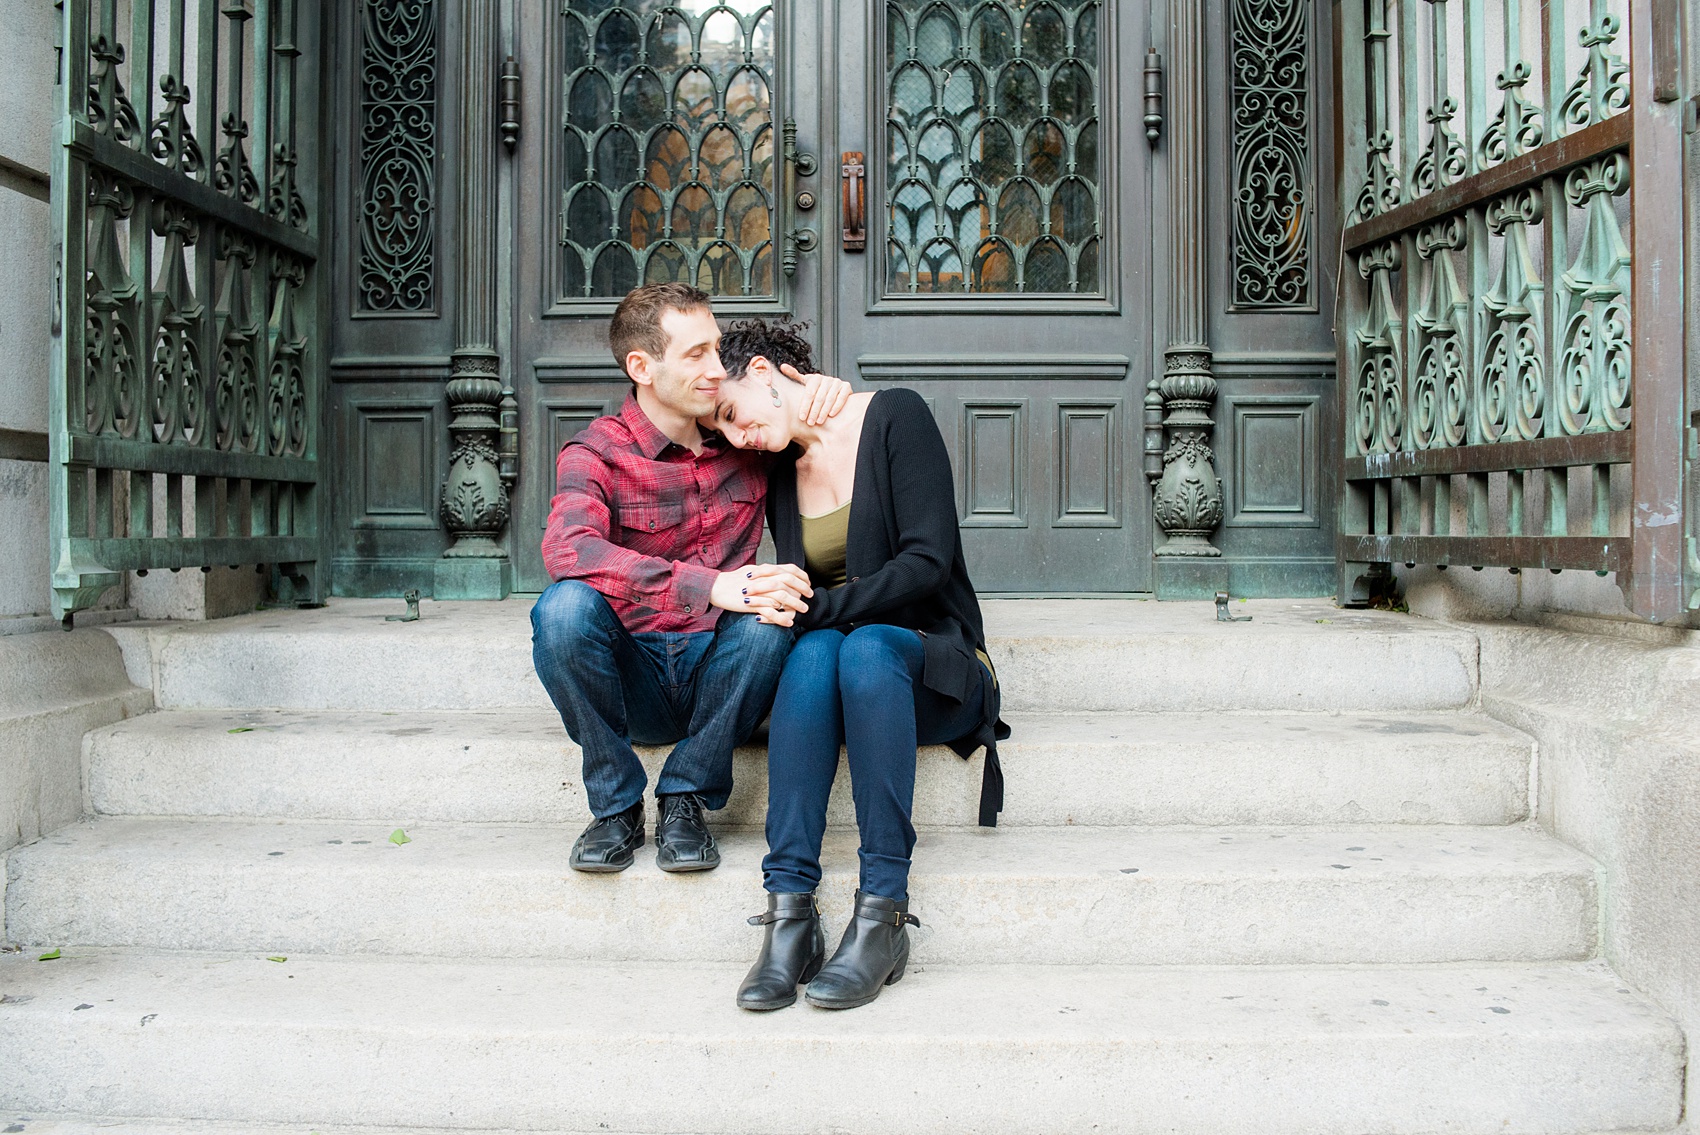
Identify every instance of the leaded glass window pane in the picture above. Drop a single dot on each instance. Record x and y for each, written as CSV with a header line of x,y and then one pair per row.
x,y
666,151
992,178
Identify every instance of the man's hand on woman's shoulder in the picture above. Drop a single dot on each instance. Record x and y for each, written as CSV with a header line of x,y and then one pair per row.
x,y
824,395
774,593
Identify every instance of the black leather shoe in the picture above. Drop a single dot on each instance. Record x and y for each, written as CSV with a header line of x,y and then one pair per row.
x,y
682,838
873,954
791,953
607,844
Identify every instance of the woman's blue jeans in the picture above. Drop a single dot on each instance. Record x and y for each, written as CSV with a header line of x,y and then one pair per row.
x,y
861,690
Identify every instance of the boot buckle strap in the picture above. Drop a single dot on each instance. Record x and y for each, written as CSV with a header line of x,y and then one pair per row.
x,y
889,917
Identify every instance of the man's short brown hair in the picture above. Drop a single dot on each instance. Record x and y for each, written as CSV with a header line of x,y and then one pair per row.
x,y
636,325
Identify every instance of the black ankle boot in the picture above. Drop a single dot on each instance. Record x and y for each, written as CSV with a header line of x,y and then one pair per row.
x,y
791,953
873,954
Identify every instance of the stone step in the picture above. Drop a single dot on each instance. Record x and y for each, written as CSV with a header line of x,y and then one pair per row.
x,y
519,766
1200,896
1471,1050
1053,655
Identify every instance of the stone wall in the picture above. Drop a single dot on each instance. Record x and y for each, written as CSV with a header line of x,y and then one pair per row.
x,y
56,687
26,130
1612,706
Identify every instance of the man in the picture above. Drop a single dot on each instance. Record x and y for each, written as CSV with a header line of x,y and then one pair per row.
x,y
650,632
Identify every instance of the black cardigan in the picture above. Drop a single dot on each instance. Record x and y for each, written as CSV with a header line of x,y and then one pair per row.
x,y
903,562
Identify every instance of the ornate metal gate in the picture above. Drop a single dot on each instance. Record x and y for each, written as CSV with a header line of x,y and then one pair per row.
x,y
1510,313
185,388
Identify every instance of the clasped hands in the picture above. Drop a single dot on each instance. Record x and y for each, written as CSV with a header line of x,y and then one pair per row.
x,y
773,593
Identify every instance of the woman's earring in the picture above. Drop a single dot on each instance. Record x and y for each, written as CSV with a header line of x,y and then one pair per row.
x,y
773,393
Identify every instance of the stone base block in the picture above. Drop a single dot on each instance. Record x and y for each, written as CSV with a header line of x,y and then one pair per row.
x,y
472,579
1191,577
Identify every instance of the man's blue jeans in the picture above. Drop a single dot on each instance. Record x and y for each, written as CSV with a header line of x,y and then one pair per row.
x,y
707,691
862,690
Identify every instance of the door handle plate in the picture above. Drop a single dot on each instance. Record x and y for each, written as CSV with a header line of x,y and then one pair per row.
x,y
855,201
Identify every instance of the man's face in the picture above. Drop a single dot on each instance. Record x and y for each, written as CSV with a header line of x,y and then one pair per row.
x,y
687,378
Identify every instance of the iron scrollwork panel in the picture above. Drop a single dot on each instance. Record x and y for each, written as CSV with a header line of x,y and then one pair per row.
x,y
992,139
666,150
398,157
1274,179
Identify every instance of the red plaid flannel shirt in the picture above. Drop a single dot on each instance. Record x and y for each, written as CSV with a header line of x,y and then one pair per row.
x,y
649,524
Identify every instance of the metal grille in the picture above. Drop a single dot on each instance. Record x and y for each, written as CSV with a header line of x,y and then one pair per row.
x,y
1490,324
183,399
992,172
666,150
1273,174
398,156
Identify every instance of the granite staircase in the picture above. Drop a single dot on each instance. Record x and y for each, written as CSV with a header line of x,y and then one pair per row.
x,y
1275,877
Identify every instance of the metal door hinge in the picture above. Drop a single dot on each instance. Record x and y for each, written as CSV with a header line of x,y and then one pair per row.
x,y
1153,96
1691,114
509,101
507,434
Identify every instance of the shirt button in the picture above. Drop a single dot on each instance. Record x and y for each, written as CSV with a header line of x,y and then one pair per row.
x,y
652,525
687,608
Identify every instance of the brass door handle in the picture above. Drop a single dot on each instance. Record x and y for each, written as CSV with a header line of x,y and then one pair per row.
x,y
855,203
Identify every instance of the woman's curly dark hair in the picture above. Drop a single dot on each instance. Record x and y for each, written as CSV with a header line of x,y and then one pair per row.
x,y
779,341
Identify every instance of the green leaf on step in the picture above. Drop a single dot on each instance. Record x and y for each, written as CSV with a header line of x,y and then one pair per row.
x,y
50,955
399,837
1325,620
241,729
278,958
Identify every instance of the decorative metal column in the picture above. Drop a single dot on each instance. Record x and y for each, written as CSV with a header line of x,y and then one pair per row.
x,y
1188,497
475,504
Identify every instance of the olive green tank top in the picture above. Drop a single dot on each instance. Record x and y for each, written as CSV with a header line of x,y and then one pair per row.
x,y
825,539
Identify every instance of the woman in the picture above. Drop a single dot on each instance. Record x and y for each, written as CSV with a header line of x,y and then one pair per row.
x,y
890,655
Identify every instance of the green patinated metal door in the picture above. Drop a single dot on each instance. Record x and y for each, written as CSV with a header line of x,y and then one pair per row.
x,y
185,391
950,193
991,249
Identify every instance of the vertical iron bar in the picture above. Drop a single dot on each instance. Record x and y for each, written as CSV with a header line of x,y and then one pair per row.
x,y
1443,506
1558,502
1475,84
1476,505
139,488
177,19
1410,100
205,101
1410,505
1552,52
174,506
1601,477
1440,83
103,503
206,508
140,60
261,154
285,50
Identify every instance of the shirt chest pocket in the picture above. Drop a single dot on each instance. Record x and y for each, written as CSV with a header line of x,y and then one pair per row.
x,y
651,516
743,493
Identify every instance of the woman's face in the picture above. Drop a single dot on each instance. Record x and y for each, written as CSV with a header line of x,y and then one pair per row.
x,y
744,412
